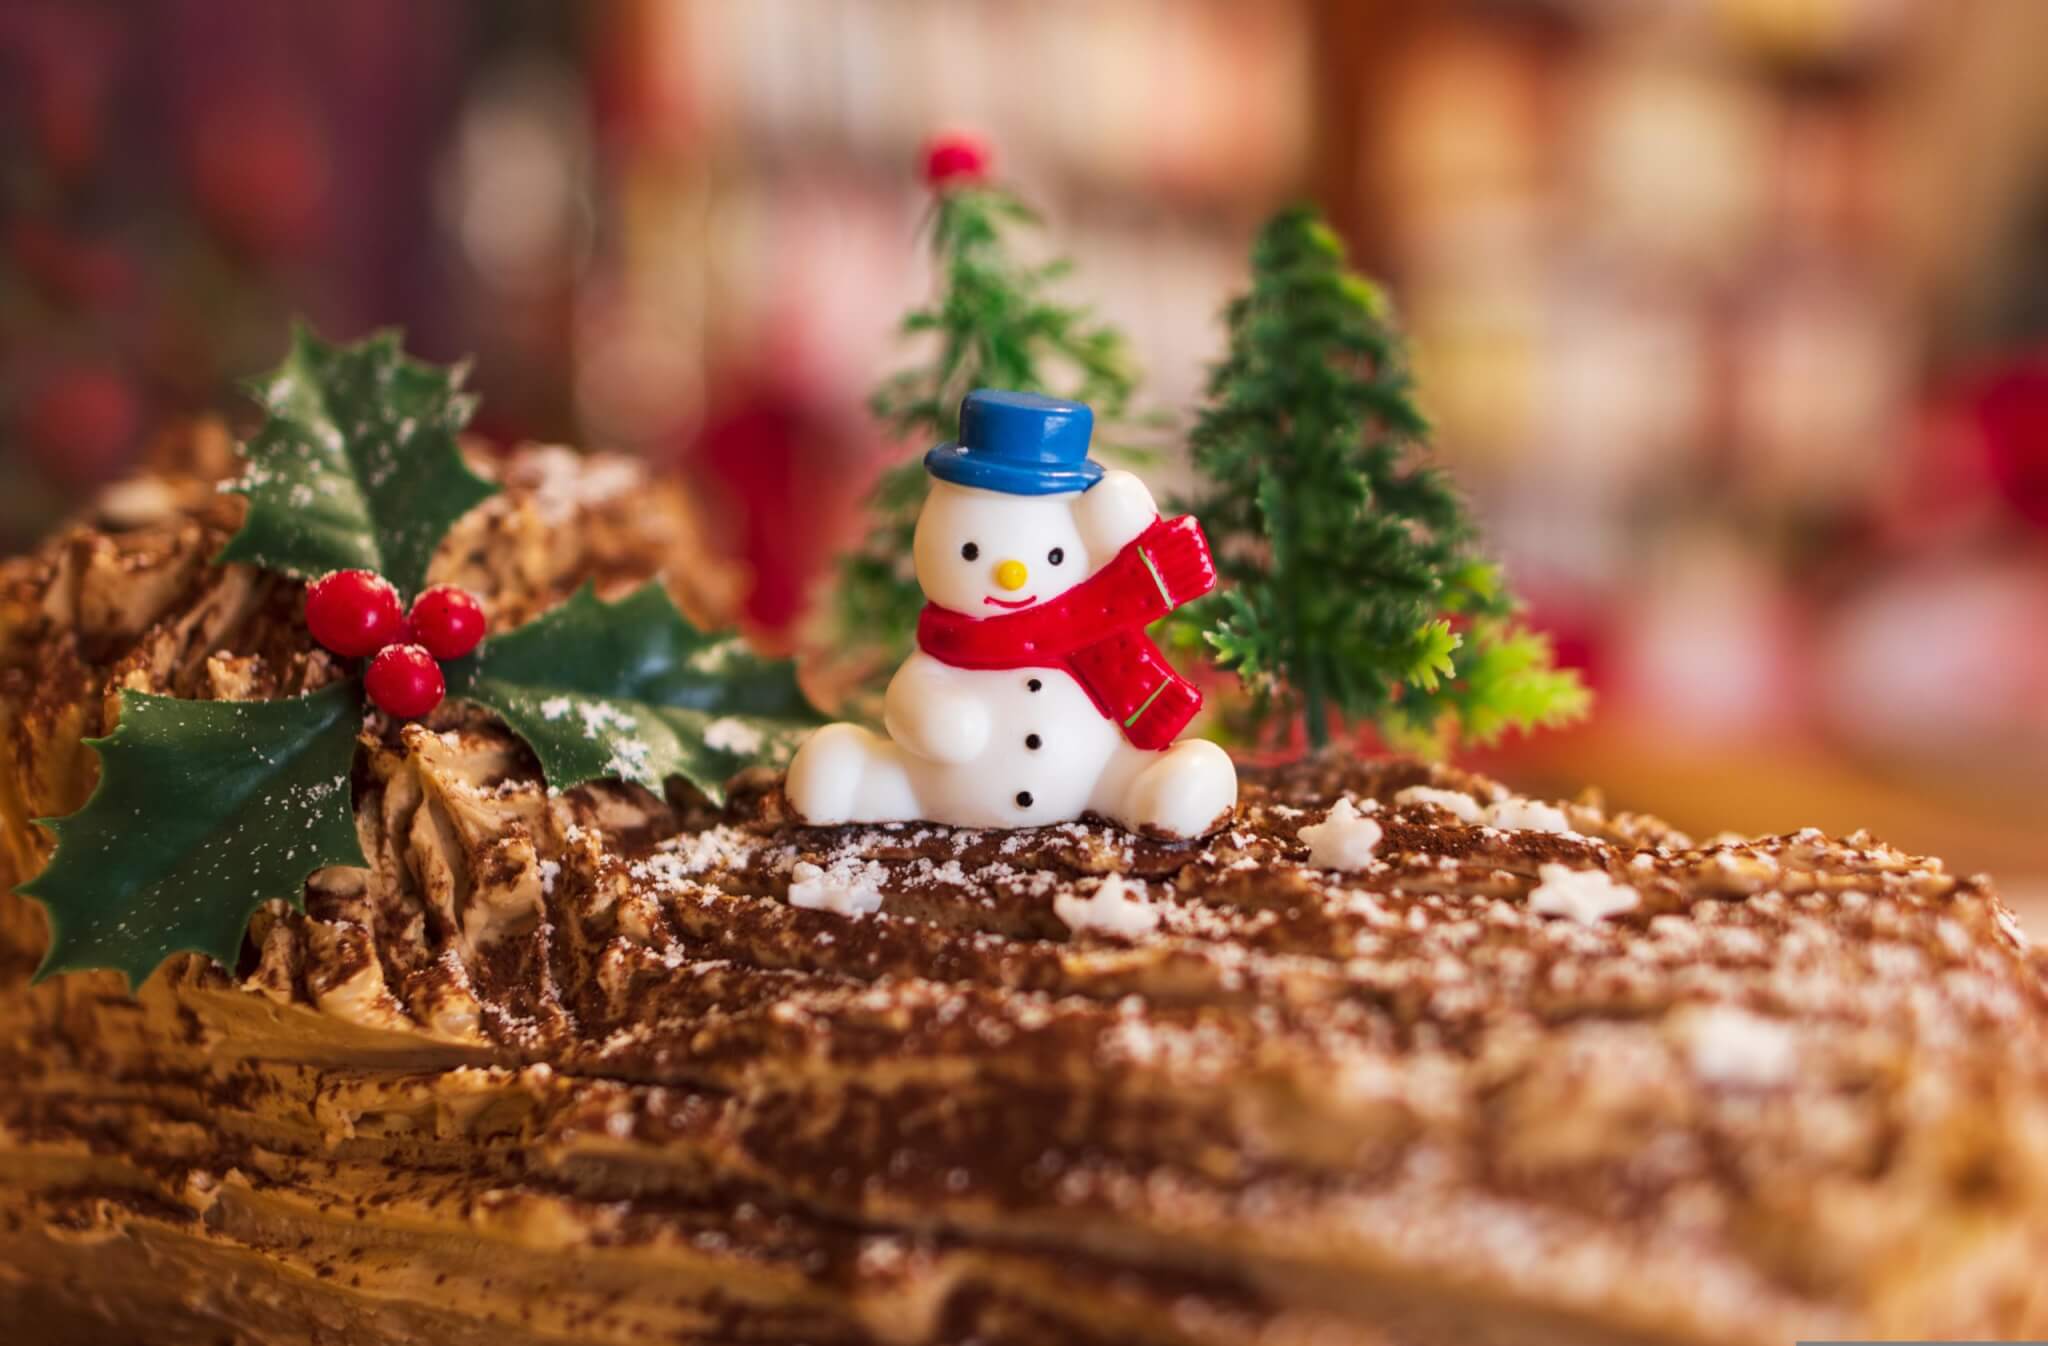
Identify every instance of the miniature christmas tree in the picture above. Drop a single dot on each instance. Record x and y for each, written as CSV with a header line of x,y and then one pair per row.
x,y
992,324
1354,587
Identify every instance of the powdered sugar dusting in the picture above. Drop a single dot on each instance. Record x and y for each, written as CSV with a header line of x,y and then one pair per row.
x,y
728,734
848,888
599,716
629,760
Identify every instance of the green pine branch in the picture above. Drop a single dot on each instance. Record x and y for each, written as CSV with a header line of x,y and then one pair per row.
x,y
1354,586
992,323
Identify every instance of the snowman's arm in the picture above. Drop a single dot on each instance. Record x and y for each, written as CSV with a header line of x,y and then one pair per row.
x,y
928,712
1112,512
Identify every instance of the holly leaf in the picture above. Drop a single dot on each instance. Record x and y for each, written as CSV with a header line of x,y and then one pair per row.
x,y
631,690
356,466
204,811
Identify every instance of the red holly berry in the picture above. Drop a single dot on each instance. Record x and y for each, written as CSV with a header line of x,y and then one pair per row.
x,y
951,159
448,621
354,612
404,681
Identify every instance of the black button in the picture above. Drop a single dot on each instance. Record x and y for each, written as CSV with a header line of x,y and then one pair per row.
x,y
1033,742
1023,799
1033,685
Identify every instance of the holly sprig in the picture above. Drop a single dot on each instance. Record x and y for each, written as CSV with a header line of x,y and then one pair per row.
x,y
631,690
356,466
205,810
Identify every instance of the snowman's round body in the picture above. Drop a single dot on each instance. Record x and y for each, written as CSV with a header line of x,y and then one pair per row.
x,y
1050,755
1014,746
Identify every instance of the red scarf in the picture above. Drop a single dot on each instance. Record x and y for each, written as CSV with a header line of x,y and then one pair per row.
x,y
1096,631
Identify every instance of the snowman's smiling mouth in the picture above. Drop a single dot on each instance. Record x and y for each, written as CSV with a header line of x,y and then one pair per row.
x,y
1024,602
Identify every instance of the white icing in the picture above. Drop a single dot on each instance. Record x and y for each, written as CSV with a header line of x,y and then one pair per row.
x,y
1585,895
848,888
1115,907
1344,839
1459,805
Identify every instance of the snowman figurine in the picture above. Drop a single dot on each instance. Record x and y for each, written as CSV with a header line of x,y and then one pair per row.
x,y
1034,695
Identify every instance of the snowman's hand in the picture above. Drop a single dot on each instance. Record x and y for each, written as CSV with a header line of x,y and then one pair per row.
x,y
927,713
1112,512
948,729
1179,557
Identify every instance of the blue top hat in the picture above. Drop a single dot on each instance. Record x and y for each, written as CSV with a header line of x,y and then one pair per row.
x,y
1019,444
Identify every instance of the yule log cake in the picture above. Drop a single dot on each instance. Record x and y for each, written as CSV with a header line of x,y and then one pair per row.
x,y
607,1067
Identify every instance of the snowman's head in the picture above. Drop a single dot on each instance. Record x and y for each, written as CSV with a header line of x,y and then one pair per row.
x,y
984,553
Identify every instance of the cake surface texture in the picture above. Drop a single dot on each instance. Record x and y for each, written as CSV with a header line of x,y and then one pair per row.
x,y
600,1066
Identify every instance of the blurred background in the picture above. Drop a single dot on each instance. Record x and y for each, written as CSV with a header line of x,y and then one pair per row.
x,y
1733,313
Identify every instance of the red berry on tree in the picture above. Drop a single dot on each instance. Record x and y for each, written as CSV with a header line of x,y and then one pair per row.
x,y
448,621
404,681
354,612
954,159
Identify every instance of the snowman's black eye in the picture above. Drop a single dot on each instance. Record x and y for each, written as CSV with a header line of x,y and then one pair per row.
x,y
1056,555
969,552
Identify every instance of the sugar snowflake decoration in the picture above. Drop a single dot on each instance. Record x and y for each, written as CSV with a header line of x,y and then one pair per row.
x,y
1585,895
1344,839
1115,907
